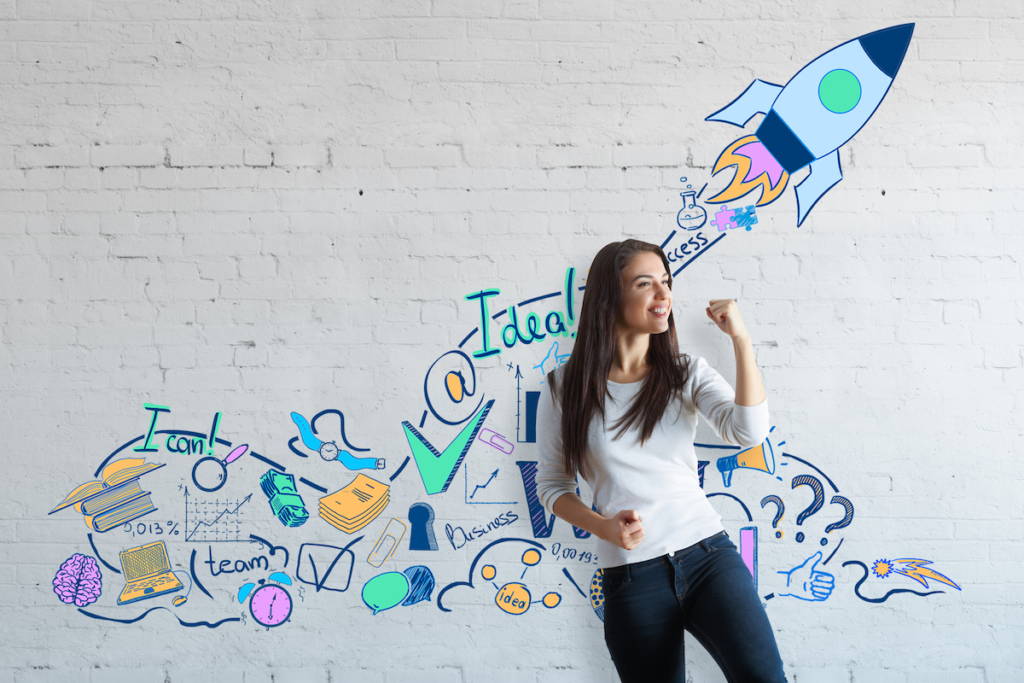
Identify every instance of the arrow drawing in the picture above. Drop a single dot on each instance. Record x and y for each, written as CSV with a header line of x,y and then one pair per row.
x,y
484,485
465,492
226,511
519,376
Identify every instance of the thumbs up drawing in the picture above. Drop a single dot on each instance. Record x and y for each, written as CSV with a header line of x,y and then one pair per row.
x,y
804,582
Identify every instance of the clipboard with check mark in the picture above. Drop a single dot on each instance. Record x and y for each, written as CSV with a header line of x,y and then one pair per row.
x,y
326,567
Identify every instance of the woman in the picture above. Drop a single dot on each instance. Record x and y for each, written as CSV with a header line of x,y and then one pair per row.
x,y
622,412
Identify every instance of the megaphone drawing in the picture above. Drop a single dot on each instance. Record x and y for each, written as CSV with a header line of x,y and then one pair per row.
x,y
760,458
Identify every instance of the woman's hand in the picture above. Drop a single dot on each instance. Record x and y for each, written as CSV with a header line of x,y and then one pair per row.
x,y
624,529
726,314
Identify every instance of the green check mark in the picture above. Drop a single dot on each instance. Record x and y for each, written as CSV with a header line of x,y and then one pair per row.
x,y
438,469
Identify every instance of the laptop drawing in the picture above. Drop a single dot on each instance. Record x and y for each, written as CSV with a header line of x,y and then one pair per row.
x,y
148,573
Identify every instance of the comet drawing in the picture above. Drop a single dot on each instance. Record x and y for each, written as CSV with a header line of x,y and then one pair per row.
x,y
806,121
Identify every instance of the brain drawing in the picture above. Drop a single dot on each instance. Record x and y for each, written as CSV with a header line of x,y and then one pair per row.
x,y
78,580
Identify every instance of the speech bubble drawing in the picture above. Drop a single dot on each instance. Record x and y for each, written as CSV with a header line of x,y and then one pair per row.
x,y
385,591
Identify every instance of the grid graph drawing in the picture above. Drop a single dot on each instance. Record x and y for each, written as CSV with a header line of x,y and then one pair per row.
x,y
215,521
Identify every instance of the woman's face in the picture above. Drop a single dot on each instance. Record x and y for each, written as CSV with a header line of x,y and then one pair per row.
x,y
646,297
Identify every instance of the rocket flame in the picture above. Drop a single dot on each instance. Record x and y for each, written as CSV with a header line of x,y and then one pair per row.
x,y
916,570
755,168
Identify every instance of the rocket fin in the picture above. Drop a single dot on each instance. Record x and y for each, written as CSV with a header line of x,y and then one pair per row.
x,y
825,173
758,98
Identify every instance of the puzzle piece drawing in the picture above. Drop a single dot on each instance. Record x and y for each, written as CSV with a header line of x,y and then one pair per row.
x,y
745,217
724,219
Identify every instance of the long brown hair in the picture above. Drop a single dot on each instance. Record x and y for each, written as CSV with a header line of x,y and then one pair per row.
x,y
584,384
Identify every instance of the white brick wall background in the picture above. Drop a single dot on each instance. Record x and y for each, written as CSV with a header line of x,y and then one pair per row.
x,y
265,207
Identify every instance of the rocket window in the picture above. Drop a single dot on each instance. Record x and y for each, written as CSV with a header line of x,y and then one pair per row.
x,y
839,91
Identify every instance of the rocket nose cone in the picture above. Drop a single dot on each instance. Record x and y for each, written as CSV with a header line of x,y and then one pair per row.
x,y
887,47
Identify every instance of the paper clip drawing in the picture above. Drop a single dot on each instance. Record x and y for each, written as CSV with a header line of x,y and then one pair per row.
x,y
387,543
496,440
806,121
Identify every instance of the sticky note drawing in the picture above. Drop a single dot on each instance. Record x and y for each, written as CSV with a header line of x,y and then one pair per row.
x,y
356,505
806,121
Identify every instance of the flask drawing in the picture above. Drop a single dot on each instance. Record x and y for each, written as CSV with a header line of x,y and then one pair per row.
x,y
692,216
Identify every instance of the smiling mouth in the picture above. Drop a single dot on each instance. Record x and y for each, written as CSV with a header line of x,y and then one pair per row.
x,y
659,311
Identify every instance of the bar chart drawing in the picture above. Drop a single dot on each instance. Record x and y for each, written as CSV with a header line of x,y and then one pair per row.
x,y
526,433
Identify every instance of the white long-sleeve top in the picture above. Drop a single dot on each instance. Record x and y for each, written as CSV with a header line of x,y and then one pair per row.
x,y
660,479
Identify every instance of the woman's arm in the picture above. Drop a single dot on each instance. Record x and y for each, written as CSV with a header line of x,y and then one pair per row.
x,y
725,314
624,529
749,389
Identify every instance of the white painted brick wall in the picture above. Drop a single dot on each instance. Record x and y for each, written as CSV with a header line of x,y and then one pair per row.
x,y
266,208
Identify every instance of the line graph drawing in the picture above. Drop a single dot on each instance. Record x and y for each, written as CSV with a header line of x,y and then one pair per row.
x,y
484,485
214,521
467,498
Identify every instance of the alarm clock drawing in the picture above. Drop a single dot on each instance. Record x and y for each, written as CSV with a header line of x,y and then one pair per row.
x,y
270,605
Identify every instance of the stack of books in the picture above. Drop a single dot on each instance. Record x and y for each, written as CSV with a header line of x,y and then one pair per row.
x,y
356,505
116,498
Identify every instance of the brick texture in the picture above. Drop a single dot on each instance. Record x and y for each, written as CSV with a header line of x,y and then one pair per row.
x,y
267,208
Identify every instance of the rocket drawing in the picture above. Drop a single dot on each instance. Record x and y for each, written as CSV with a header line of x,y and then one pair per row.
x,y
806,122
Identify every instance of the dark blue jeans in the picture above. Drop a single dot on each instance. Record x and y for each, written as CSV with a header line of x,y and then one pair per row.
x,y
705,589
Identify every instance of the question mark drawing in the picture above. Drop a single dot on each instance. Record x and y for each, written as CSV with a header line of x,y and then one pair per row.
x,y
819,500
778,513
845,521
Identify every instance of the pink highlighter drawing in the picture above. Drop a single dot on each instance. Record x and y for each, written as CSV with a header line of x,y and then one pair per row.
x,y
748,550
